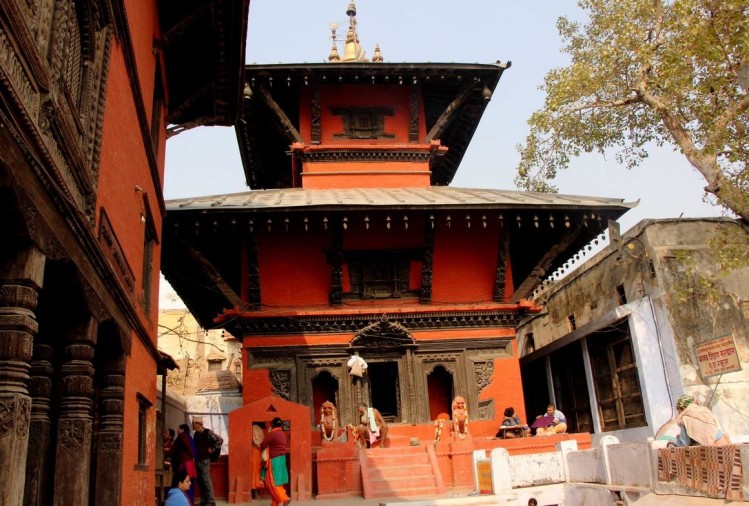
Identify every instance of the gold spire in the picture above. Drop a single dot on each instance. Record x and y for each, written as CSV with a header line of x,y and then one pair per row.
x,y
352,51
377,58
333,56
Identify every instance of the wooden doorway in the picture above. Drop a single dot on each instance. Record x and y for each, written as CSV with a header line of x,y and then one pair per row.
x,y
440,391
384,389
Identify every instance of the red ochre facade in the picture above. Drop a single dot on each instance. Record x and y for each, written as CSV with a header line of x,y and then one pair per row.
x,y
295,280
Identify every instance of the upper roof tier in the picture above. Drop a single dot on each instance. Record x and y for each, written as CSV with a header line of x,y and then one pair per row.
x,y
451,97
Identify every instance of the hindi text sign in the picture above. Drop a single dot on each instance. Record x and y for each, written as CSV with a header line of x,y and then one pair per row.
x,y
717,356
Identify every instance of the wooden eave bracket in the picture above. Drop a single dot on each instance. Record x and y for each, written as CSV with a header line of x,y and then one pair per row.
x,y
539,271
214,277
175,32
449,112
291,132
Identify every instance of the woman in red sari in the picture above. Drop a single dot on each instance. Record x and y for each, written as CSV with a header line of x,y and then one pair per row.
x,y
276,474
184,455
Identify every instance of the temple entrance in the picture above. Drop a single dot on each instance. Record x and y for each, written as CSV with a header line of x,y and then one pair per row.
x,y
324,388
440,390
384,389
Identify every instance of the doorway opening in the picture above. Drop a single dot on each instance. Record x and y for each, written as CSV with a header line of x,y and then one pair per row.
x,y
440,390
324,388
384,389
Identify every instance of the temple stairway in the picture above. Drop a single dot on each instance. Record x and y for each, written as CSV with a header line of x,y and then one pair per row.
x,y
400,471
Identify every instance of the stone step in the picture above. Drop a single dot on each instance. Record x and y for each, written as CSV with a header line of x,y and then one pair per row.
x,y
383,472
395,452
421,491
401,483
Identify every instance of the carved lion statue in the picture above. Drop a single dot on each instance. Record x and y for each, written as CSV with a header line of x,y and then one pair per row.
x,y
460,417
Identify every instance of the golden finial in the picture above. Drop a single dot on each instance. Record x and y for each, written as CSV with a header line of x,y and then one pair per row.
x,y
333,56
377,58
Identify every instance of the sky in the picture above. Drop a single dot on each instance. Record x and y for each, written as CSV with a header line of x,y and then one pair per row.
x,y
205,160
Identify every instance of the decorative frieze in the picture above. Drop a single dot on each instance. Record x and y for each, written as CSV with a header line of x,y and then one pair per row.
x,y
353,323
366,155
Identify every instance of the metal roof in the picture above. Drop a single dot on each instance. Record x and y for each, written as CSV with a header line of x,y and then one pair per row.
x,y
418,197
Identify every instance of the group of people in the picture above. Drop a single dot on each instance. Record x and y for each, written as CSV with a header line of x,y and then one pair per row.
x,y
188,454
549,423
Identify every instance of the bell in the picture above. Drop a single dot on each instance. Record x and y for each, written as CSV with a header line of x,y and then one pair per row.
x,y
351,11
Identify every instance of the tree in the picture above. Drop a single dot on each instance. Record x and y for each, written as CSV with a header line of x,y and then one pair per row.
x,y
647,72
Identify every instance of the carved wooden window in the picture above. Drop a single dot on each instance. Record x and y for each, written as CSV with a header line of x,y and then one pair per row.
x,y
143,406
363,123
149,245
379,274
158,110
72,58
616,379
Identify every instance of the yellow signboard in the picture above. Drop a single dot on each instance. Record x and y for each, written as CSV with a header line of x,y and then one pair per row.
x,y
717,356
484,475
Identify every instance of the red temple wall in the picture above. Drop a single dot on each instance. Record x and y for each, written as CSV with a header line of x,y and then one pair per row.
x,y
334,95
465,263
138,483
293,268
123,167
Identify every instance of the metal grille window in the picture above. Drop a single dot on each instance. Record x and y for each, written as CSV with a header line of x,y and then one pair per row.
x,y
616,380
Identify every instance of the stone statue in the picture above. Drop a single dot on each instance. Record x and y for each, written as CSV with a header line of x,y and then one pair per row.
x,y
329,421
460,417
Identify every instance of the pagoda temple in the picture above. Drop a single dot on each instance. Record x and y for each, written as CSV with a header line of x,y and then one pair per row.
x,y
352,245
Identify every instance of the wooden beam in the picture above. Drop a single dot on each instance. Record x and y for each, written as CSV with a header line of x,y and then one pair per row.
x,y
291,132
447,114
178,30
214,277
539,271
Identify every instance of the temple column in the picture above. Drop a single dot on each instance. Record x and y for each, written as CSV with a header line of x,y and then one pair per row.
x,y
73,458
109,439
38,465
21,275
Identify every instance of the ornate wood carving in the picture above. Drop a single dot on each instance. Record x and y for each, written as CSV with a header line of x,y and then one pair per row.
x,y
254,272
280,379
353,323
366,155
37,228
413,113
427,262
363,122
382,334
316,113
500,277
18,326
111,410
336,262
486,410
483,374
38,460
73,459
292,133
526,287
112,249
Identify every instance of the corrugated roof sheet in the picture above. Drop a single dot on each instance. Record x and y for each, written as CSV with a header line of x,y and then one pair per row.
x,y
423,197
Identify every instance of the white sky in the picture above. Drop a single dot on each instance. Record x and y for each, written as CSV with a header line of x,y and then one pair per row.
x,y
205,161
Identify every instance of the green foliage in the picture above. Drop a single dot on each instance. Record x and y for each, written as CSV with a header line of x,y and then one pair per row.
x,y
649,72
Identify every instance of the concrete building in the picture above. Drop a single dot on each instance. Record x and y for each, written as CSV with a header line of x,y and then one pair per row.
x,y
663,310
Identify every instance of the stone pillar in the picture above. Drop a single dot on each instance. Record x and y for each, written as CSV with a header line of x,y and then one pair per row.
x,y
21,274
73,462
109,439
38,465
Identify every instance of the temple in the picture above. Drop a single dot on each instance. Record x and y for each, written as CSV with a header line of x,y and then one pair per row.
x,y
352,248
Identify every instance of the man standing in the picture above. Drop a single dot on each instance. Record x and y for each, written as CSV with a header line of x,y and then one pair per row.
x,y
206,442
